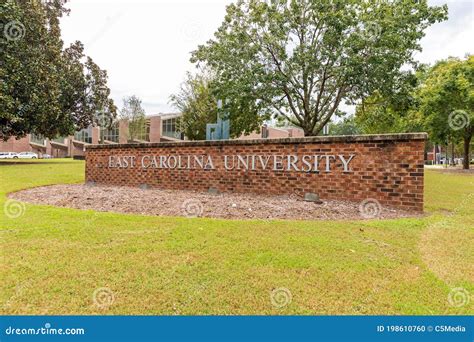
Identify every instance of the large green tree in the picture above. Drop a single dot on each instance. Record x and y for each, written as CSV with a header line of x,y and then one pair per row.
x,y
45,88
395,112
447,102
300,59
133,112
197,103
437,99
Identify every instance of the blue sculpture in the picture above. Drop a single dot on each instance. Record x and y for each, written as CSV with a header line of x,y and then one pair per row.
x,y
221,129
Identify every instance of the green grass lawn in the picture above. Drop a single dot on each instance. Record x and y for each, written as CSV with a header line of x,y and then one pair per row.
x,y
54,259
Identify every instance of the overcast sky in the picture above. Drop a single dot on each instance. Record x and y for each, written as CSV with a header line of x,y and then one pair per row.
x,y
145,45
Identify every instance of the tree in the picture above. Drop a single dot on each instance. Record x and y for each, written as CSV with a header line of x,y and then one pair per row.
x,y
346,126
391,113
447,102
134,113
46,89
197,104
301,59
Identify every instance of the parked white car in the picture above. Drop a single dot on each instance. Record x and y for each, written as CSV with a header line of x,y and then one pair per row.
x,y
27,155
8,155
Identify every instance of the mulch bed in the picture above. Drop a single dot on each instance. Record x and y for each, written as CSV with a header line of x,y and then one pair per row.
x,y
159,202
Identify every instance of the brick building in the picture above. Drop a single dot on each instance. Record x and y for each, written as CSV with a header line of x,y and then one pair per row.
x,y
267,132
157,128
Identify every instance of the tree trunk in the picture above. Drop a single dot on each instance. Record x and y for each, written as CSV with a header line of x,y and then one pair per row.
x,y
446,153
467,159
452,154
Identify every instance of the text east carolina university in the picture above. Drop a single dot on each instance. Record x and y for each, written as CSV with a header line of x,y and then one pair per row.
x,y
304,163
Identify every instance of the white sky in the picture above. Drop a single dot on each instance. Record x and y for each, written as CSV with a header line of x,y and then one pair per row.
x,y
145,45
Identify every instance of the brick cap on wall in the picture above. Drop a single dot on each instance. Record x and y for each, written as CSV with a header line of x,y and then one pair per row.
x,y
317,139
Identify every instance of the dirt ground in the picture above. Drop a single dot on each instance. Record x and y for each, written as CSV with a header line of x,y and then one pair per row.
x,y
158,202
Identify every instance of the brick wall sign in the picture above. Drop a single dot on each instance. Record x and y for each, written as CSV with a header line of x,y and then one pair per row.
x,y
388,168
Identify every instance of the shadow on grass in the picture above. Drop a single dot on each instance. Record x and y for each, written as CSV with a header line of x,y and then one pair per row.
x,y
457,171
37,162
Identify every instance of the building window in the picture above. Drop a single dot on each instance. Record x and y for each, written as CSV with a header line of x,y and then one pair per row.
x,y
84,135
59,140
170,128
110,134
37,139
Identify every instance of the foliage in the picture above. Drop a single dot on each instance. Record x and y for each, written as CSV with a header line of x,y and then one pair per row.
x,y
197,103
300,59
197,100
46,89
437,99
392,113
447,102
346,126
134,113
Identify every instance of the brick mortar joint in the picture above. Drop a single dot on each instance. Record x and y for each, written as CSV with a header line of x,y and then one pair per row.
x,y
319,139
